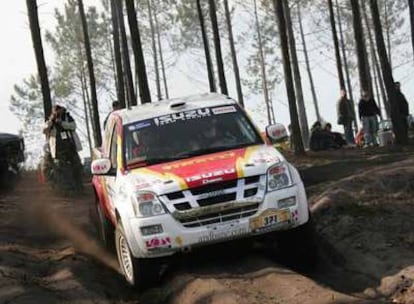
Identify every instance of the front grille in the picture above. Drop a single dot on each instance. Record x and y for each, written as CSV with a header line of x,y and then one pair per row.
x,y
220,217
214,187
212,196
217,199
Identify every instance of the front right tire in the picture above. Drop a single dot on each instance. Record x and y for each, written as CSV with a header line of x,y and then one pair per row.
x,y
138,272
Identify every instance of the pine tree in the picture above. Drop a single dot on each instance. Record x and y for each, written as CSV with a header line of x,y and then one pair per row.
x,y
40,59
95,111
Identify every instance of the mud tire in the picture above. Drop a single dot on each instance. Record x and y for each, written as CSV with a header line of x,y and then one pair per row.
x,y
105,228
139,273
299,246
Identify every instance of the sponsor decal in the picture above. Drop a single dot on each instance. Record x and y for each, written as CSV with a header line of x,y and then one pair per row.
x,y
214,180
224,110
158,243
179,240
181,116
209,175
200,160
223,234
295,215
269,218
140,125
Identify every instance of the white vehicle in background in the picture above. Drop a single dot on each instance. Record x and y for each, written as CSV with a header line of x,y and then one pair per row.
x,y
189,172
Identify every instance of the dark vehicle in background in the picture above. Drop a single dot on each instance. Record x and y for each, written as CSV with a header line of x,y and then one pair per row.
x,y
11,157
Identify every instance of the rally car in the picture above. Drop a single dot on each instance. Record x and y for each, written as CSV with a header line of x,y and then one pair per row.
x,y
191,172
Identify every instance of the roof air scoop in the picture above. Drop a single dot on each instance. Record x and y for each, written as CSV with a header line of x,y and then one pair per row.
x,y
176,105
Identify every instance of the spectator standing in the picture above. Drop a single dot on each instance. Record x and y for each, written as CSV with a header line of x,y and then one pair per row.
x,y
64,143
402,105
116,105
368,111
346,116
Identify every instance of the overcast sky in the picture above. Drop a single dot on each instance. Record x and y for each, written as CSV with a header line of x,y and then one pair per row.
x,y
17,61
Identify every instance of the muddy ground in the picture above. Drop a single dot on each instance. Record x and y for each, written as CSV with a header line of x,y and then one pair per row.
x,y
363,208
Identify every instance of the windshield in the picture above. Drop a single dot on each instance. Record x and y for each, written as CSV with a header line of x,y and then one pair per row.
x,y
188,133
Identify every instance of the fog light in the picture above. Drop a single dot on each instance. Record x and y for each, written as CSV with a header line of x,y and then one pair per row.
x,y
153,229
286,202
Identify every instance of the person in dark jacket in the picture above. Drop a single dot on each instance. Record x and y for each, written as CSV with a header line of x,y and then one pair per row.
x,y
321,139
346,116
368,111
402,105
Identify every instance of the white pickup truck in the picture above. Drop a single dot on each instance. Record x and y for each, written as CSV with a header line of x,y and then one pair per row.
x,y
193,171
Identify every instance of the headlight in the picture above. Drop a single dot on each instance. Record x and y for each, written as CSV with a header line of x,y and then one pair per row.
x,y
278,177
146,204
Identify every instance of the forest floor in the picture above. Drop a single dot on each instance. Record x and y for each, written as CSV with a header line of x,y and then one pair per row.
x,y
362,204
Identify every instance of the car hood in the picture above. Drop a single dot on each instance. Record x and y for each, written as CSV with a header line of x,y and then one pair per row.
x,y
205,169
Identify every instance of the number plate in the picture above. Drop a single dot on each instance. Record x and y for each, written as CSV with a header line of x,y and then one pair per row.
x,y
269,218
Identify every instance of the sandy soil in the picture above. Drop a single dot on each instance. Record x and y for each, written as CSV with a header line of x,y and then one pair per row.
x,y
362,205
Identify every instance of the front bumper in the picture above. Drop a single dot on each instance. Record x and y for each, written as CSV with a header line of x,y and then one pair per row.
x,y
175,237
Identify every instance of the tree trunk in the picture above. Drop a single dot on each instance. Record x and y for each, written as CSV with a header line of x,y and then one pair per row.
x,y
297,137
303,120
92,82
234,55
85,106
154,51
131,97
308,69
336,46
399,126
117,52
140,69
387,32
360,47
217,46
411,7
376,67
164,77
346,67
40,59
268,102
209,64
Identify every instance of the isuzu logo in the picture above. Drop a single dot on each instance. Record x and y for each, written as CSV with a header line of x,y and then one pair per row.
x,y
206,177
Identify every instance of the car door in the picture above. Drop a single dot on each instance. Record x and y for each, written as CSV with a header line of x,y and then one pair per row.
x,y
110,179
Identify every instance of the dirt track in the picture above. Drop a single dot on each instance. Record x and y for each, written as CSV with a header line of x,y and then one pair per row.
x,y
48,253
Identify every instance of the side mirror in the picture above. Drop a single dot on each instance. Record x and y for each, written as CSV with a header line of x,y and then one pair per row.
x,y
276,133
101,166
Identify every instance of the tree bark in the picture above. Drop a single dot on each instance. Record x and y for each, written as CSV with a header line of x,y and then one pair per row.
x,y
140,69
217,46
411,8
399,126
268,102
85,106
131,97
336,47
308,69
360,47
154,50
346,67
209,64
233,55
39,54
387,32
297,137
303,120
117,53
92,82
376,68
164,77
